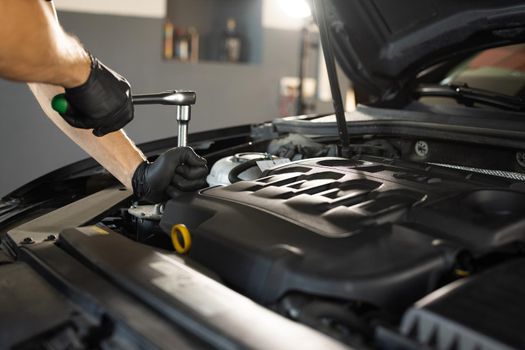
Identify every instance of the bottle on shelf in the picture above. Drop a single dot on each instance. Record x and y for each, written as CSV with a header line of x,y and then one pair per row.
x,y
186,44
168,40
194,44
231,43
182,45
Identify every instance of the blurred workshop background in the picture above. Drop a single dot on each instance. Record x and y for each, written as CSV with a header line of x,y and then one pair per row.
x,y
242,57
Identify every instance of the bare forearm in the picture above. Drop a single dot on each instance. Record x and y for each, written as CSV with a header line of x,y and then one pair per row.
x,y
115,151
34,47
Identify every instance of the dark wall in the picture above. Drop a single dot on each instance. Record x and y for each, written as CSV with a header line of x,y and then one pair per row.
x,y
227,94
210,17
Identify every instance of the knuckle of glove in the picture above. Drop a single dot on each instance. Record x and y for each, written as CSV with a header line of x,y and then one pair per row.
x,y
175,155
192,185
147,185
189,157
116,121
192,172
186,185
103,102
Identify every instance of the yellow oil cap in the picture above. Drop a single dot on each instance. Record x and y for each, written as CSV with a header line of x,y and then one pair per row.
x,y
181,246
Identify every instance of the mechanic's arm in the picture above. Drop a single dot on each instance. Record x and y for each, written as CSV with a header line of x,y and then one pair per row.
x,y
114,151
178,168
34,48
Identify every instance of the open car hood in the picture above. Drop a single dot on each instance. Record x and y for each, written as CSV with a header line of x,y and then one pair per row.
x,y
382,45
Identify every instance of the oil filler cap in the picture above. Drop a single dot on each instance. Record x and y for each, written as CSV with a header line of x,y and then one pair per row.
x,y
181,238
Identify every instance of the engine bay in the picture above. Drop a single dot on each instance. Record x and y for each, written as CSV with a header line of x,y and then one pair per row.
x,y
350,247
407,243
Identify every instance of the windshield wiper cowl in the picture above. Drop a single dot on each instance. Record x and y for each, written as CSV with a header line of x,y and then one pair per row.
x,y
469,96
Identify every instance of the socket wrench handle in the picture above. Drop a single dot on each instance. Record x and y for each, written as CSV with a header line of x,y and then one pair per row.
x,y
173,98
181,99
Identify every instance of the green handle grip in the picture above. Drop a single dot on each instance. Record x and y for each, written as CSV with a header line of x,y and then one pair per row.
x,y
59,103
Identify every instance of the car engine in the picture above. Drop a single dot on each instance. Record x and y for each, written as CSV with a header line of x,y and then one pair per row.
x,y
362,249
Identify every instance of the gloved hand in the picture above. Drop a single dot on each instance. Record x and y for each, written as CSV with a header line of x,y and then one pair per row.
x,y
103,103
179,168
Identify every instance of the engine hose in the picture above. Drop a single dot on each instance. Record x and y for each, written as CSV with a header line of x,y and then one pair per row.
x,y
314,311
233,176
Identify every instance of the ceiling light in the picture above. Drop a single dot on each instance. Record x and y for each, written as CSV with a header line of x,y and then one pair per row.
x,y
296,8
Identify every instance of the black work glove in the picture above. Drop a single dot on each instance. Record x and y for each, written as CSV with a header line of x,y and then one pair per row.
x,y
179,168
103,103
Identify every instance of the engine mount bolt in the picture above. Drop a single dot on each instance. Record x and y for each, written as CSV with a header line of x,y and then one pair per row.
x,y
28,240
520,158
421,148
51,238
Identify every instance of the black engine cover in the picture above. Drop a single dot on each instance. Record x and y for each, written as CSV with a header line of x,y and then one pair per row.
x,y
371,230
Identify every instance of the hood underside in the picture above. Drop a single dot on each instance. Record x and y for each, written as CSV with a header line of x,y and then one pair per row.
x,y
383,45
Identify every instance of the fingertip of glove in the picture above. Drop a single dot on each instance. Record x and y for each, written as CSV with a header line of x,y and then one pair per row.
x,y
173,191
187,185
98,132
119,121
192,172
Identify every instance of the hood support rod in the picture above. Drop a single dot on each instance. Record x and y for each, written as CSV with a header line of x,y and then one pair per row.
x,y
337,100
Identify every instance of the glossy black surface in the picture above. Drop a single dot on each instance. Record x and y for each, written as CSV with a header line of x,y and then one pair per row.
x,y
382,45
